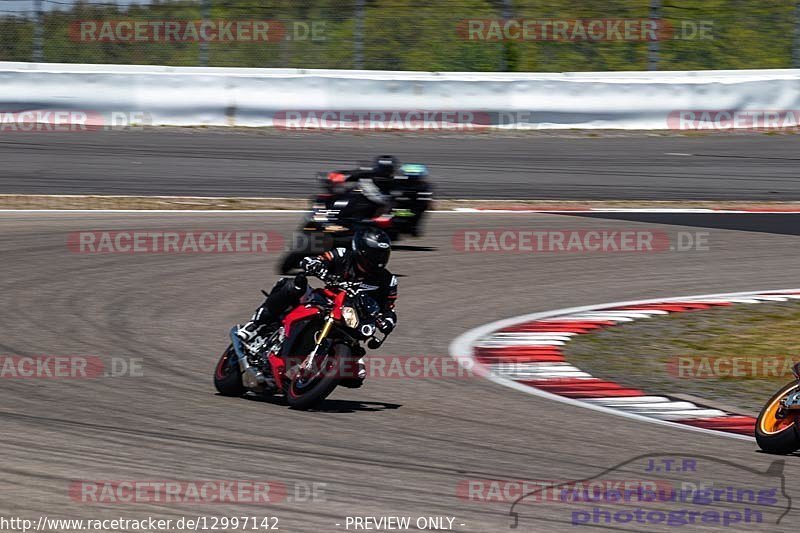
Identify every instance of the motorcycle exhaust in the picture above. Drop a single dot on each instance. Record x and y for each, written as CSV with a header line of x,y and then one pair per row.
x,y
237,347
252,378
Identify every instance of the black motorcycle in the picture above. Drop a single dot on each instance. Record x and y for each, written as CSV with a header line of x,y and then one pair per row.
x,y
342,209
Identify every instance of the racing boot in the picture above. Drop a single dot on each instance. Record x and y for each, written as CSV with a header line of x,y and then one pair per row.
x,y
356,374
252,333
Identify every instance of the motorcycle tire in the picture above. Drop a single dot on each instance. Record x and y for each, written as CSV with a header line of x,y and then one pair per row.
x,y
778,435
227,375
324,384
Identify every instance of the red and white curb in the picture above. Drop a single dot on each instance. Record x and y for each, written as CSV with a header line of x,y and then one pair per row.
x,y
524,353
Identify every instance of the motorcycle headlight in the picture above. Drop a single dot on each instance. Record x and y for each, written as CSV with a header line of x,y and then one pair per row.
x,y
350,317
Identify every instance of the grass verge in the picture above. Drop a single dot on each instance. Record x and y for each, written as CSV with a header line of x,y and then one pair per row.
x,y
734,356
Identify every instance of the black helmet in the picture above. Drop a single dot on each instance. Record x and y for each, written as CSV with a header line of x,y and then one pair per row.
x,y
385,166
372,248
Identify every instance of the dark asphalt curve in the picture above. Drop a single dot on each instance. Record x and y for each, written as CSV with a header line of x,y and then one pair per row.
x,y
398,446
781,223
197,162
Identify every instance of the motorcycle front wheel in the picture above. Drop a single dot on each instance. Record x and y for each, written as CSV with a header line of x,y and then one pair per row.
x,y
776,433
306,391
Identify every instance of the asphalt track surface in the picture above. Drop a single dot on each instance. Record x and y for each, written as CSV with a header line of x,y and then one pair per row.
x,y
394,447
198,162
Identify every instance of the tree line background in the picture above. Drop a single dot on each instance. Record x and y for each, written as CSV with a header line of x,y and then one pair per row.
x,y
417,35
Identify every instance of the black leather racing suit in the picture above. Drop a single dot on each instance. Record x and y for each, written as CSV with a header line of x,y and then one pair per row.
x,y
374,187
380,284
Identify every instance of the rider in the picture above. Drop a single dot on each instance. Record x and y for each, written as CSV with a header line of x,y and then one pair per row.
x,y
364,262
387,185
376,181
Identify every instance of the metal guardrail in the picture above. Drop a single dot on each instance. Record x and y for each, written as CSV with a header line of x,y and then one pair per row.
x,y
371,100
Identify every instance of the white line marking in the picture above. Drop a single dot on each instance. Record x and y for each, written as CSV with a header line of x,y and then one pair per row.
x,y
504,343
533,334
547,364
613,315
628,400
529,338
520,370
660,406
544,375
688,414
602,317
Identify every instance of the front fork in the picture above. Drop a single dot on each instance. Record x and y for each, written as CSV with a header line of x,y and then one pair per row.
x,y
308,363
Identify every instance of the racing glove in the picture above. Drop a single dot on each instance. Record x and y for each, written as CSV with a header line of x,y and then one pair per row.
x,y
386,322
315,267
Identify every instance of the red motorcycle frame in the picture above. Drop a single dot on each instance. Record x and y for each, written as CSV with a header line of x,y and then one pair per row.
x,y
316,348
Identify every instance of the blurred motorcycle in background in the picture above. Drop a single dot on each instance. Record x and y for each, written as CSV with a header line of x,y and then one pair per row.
x,y
344,206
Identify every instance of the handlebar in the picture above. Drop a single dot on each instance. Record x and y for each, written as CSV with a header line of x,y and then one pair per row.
x,y
350,287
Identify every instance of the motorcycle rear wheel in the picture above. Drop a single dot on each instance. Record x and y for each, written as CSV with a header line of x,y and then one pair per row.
x,y
774,434
227,375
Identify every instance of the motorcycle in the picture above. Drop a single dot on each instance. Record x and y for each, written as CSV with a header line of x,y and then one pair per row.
x,y
340,210
777,425
315,348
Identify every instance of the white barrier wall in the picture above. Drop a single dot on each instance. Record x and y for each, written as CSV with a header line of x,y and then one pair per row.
x,y
260,97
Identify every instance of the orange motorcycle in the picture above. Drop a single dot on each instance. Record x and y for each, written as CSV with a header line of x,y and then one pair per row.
x,y
777,428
